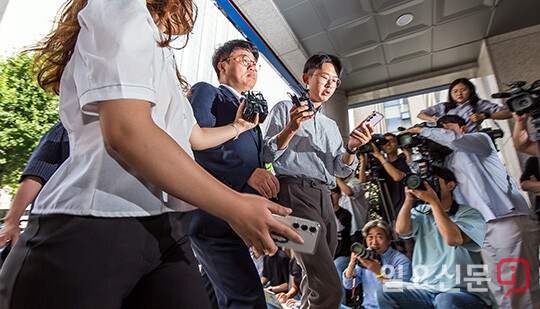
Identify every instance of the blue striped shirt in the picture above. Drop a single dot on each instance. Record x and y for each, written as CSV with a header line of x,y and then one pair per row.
x,y
315,151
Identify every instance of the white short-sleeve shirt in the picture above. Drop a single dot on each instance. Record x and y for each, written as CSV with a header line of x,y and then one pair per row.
x,y
116,57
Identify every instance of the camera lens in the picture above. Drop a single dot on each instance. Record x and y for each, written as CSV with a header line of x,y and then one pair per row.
x,y
312,229
357,248
296,225
304,227
413,181
405,139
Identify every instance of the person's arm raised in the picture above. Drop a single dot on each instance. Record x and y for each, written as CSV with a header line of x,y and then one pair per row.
x,y
129,131
204,138
298,115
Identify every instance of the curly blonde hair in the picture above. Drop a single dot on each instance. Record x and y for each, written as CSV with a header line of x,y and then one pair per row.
x,y
173,17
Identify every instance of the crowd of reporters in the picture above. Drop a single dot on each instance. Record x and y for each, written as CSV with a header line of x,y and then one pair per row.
x,y
465,209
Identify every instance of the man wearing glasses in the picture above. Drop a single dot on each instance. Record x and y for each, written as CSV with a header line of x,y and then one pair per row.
x,y
238,163
306,151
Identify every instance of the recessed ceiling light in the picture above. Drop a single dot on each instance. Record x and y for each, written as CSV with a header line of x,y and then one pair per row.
x,y
404,19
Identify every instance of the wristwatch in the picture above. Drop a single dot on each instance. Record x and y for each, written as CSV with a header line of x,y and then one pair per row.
x,y
350,151
488,115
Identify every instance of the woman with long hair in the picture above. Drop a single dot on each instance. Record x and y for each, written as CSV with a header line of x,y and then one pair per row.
x,y
464,102
109,229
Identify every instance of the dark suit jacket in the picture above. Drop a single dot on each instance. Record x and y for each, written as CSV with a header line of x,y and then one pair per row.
x,y
220,250
234,161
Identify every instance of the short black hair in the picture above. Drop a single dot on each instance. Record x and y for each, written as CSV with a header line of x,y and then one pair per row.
x,y
390,134
226,49
451,119
316,62
443,173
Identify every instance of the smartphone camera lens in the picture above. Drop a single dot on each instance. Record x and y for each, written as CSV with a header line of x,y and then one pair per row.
x,y
312,229
304,227
296,225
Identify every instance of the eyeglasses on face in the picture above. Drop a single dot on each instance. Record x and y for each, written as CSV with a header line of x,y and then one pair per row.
x,y
456,90
245,61
325,79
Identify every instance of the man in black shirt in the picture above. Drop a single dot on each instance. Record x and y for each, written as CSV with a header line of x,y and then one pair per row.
x,y
395,168
276,272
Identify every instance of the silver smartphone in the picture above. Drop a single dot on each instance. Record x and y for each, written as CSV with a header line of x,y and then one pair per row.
x,y
373,119
308,229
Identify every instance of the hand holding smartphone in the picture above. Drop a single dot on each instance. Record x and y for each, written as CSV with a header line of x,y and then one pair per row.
x,y
373,119
308,229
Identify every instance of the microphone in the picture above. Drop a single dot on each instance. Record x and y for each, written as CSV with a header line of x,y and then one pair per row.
x,y
501,95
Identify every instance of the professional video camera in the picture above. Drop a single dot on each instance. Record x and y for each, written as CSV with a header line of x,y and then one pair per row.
x,y
255,104
364,253
304,96
423,148
522,99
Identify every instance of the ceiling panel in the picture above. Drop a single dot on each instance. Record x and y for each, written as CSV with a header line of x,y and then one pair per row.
x,y
332,15
386,21
303,20
368,77
455,56
461,31
513,15
287,4
414,45
318,43
446,10
410,67
442,35
354,36
382,5
364,59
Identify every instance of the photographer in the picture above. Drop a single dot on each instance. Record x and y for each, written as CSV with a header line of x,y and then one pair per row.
x,y
531,173
463,101
448,239
371,273
395,168
512,229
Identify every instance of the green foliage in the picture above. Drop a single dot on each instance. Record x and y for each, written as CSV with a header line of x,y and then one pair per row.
x,y
26,113
372,197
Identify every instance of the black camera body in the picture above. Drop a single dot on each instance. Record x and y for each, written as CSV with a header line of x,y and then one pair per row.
x,y
365,253
425,153
378,139
522,99
304,96
255,104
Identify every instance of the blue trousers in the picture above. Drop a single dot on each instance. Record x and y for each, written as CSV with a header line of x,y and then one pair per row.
x,y
341,263
414,297
227,262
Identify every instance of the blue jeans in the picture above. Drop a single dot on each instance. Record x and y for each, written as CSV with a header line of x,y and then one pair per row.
x,y
341,263
415,297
